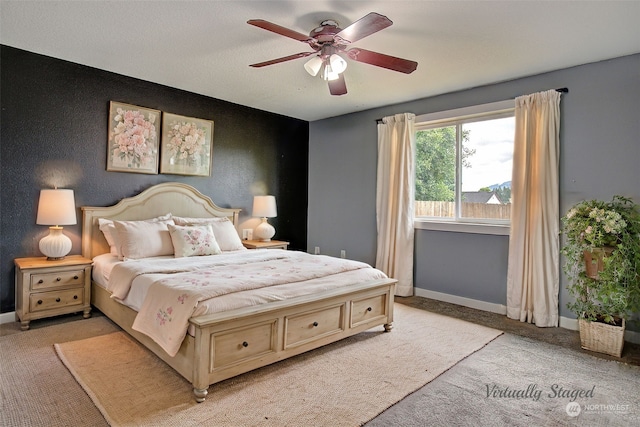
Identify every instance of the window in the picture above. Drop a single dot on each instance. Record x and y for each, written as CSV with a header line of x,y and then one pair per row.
x,y
463,164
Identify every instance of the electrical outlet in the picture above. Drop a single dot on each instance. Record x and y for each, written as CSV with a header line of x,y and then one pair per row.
x,y
317,250
343,253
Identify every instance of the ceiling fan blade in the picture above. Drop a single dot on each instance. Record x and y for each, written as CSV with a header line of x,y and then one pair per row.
x,y
364,27
338,86
382,60
283,59
275,28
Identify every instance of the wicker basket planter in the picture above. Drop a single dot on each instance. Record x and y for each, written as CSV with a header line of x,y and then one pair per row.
x,y
602,337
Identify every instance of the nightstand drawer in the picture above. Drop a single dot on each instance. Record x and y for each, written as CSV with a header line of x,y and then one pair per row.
x,y
52,300
43,281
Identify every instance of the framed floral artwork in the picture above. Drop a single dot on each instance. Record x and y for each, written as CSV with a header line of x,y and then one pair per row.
x,y
186,145
133,139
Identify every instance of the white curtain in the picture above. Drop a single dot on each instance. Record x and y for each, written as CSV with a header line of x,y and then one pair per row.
x,y
395,199
533,268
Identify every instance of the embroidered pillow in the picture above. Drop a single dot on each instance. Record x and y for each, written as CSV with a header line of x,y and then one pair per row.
x,y
224,230
195,240
143,239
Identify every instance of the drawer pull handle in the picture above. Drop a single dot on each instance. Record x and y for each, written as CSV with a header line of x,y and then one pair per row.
x,y
57,299
75,297
39,301
75,277
245,344
368,308
315,323
58,279
40,281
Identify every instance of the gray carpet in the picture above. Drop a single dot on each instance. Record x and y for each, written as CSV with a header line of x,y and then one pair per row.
x,y
37,390
529,383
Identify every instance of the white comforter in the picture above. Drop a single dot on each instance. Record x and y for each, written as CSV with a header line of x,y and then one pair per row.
x,y
186,287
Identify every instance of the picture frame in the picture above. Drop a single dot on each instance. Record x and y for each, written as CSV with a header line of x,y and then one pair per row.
x,y
133,138
187,145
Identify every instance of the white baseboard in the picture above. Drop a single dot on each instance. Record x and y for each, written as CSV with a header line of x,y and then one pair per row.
x,y
8,317
465,302
565,322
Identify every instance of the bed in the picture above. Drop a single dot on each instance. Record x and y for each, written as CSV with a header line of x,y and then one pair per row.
x,y
223,343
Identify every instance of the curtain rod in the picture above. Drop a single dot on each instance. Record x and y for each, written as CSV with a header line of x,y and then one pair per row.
x,y
560,89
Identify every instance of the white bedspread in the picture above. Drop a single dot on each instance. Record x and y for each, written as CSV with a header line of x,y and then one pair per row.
x,y
186,287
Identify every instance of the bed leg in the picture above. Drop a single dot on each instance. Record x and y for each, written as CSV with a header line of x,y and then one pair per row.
x,y
388,327
200,394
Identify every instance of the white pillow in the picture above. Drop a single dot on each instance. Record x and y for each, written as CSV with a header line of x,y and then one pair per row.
x,y
183,220
142,239
224,230
111,234
193,240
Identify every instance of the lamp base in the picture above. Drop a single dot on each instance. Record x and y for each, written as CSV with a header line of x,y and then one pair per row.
x,y
56,245
264,231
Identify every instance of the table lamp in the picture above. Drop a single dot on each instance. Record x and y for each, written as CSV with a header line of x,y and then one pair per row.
x,y
56,208
264,207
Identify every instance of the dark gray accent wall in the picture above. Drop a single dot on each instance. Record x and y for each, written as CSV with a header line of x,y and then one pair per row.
x,y
600,157
53,130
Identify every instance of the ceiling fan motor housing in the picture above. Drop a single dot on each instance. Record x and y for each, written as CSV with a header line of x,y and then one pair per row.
x,y
325,33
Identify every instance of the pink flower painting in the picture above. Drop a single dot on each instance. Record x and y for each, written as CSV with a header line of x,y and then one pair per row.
x,y
186,145
133,139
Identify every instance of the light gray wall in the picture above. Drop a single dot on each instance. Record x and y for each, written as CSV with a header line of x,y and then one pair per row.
x,y
600,157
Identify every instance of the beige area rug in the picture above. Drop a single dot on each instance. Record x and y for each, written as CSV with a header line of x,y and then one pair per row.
x,y
343,384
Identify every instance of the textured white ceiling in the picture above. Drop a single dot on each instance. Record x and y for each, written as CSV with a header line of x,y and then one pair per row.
x,y
206,46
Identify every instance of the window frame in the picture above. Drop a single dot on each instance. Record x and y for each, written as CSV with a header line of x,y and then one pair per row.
x,y
458,117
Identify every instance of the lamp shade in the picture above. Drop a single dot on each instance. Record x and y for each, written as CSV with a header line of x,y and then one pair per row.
x,y
338,65
56,207
264,206
313,65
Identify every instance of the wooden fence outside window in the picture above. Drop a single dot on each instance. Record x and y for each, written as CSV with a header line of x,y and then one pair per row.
x,y
469,210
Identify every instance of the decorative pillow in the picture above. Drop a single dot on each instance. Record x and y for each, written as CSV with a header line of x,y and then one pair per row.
x,y
142,239
193,240
111,234
224,230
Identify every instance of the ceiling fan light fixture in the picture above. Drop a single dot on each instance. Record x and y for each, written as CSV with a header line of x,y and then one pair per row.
x,y
328,74
338,64
313,65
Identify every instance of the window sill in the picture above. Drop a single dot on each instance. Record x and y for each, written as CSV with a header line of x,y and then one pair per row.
x,y
462,227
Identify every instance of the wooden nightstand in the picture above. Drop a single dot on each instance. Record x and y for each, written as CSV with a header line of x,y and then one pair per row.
x,y
49,288
272,244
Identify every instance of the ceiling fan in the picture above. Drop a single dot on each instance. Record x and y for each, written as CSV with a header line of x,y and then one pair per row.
x,y
329,40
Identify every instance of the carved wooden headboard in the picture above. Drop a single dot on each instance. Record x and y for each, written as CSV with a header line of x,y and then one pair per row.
x,y
170,197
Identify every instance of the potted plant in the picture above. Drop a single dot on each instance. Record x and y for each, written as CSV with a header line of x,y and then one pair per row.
x,y
602,262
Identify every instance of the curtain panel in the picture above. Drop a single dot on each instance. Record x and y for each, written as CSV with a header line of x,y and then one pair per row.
x,y
395,199
533,266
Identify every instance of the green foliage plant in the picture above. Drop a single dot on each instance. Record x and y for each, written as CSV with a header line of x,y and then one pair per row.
x,y
594,224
